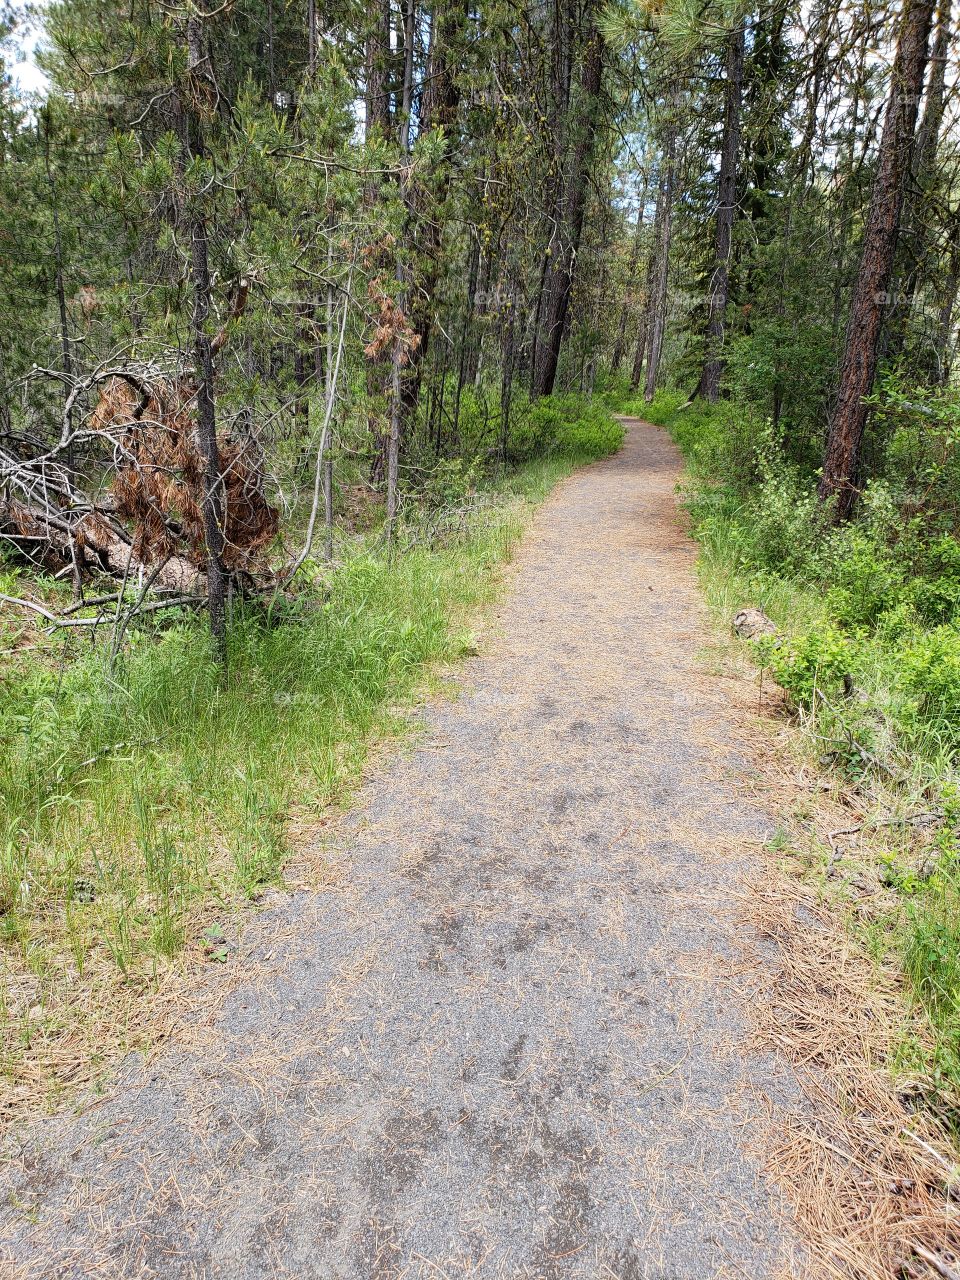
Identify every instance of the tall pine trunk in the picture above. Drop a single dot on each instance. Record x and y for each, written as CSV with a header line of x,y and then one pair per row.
x,y
918,262
425,217
65,344
207,437
198,73
377,126
944,339
713,364
559,265
655,320
619,346
859,366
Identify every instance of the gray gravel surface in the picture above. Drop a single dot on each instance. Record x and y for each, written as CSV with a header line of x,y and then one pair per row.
x,y
510,1039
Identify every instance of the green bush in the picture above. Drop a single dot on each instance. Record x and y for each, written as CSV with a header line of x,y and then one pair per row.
x,y
568,426
867,579
930,670
935,592
919,432
802,665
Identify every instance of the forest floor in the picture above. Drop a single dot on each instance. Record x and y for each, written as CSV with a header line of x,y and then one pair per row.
x,y
513,1031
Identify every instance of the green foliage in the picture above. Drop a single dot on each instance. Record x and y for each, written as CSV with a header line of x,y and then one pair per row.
x,y
567,426
930,667
932,959
867,578
805,664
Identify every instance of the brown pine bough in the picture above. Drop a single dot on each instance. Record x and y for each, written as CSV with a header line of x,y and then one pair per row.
x,y
145,523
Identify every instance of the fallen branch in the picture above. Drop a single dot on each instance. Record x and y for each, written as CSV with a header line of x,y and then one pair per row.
x,y
29,604
927,815
152,606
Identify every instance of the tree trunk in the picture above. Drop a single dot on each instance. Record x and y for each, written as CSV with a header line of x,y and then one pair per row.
x,y
641,350
311,36
207,438
621,341
559,267
859,366
656,317
61,287
377,127
377,87
393,440
203,354
709,385
506,383
917,265
944,341
438,109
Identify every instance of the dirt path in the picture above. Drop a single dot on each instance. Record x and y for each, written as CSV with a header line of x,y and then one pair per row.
x,y
510,1040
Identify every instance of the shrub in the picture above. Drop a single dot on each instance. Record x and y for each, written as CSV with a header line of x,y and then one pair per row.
x,y
867,579
802,665
930,670
569,426
935,593
786,524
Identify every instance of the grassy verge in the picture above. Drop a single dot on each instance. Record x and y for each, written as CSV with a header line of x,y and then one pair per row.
x,y
137,798
868,655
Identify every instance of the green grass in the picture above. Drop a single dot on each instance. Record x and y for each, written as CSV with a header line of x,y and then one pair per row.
x,y
860,603
135,799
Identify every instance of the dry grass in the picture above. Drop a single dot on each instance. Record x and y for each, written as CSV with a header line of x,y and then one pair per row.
x,y
869,1179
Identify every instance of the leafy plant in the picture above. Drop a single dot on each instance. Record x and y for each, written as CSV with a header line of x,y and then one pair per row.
x,y
804,664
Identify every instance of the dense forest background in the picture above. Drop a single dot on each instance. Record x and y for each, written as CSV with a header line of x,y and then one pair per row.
x,y
301,304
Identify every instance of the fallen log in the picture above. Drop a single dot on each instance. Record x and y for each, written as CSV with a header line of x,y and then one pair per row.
x,y
90,542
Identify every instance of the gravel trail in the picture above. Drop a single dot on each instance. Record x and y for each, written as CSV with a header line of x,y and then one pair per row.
x,y
509,1040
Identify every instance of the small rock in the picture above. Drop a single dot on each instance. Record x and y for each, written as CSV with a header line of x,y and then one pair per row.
x,y
750,623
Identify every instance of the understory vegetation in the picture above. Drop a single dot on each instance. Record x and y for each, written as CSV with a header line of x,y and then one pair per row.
x,y
867,652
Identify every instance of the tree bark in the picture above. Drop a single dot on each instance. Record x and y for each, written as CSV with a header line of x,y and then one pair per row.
x,y
203,354
565,242
58,264
639,352
620,344
207,439
944,341
377,87
438,109
656,315
859,365
377,126
916,258
713,364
